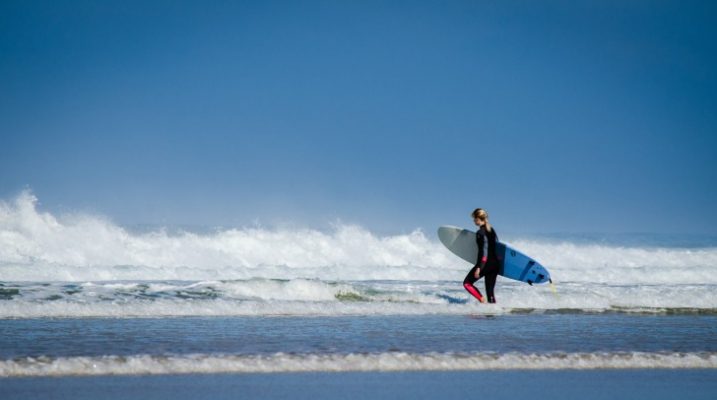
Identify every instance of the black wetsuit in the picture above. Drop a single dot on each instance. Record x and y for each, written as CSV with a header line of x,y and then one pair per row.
x,y
487,262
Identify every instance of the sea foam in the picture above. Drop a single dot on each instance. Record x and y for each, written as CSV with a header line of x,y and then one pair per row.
x,y
302,297
391,361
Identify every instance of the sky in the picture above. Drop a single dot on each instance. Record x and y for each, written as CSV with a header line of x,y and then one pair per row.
x,y
555,116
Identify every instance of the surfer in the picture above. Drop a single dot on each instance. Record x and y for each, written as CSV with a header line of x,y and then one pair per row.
x,y
487,264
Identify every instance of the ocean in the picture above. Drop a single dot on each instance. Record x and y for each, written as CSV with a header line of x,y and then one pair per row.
x,y
86,305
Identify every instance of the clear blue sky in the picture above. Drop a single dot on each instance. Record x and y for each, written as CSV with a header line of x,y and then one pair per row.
x,y
556,116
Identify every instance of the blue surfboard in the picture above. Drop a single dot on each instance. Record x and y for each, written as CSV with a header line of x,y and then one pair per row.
x,y
513,264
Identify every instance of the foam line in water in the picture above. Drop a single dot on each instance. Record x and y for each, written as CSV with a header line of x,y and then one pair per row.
x,y
392,361
302,297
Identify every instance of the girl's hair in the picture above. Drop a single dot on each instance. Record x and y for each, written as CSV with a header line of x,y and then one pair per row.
x,y
482,215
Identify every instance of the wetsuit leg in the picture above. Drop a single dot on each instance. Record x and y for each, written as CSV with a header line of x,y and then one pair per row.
x,y
490,285
469,281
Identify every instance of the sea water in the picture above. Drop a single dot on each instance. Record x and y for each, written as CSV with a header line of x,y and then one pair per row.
x,y
82,296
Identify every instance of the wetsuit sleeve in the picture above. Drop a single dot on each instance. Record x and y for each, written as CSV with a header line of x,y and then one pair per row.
x,y
482,254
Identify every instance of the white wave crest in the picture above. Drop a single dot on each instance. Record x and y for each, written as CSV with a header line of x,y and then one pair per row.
x,y
40,246
393,361
570,262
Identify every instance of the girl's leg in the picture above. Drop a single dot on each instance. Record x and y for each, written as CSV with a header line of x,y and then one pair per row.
x,y
489,286
468,285
472,290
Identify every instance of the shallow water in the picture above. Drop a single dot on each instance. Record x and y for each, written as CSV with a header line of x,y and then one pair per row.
x,y
37,347
693,384
411,334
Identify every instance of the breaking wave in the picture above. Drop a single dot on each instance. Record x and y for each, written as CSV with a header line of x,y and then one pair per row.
x,y
40,246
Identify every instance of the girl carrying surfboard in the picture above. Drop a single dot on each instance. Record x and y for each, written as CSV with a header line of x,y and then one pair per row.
x,y
487,264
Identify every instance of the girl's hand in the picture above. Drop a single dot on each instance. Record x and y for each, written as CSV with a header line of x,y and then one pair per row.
x,y
477,273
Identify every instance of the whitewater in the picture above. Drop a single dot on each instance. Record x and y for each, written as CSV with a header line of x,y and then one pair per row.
x,y
87,266
384,362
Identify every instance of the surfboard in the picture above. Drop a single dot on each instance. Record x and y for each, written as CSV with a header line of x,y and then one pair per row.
x,y
513,264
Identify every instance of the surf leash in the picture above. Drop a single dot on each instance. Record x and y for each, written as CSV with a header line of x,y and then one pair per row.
x,y
553,289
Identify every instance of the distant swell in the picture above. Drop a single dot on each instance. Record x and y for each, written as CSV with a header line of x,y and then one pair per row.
x,y
393,361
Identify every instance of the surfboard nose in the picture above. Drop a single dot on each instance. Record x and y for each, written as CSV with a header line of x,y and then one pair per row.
x,y
448,235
